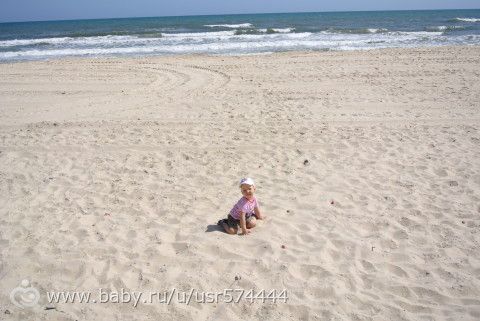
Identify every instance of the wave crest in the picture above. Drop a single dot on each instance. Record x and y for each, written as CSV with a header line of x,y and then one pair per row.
x,y
231,26
358,31
444,28
465,20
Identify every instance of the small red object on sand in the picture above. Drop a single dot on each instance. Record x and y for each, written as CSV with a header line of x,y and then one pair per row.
x,y
283,246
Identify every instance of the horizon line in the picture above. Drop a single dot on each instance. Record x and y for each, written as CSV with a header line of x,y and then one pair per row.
x,y
231,14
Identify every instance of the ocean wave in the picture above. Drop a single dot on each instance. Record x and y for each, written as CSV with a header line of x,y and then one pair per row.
x,y
84,34
239,47
465,20
444,28
199,37
29,42
379,30
357,31
11,49
279,30
232,26
155,35
254,31
416,33
130,40
212,34
249,31
62,40
67,41
227,43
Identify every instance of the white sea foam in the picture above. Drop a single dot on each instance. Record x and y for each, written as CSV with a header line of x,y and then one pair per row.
x,y
27,42
444,28
468,19
355,31
415,33
280,30
218,47
226,42
374,30
217,34
241,25
437,28
78,41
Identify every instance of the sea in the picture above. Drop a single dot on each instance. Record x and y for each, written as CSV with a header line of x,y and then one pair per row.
x,y
242,34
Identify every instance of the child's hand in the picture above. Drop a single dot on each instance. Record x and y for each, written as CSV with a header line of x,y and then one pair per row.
x,y
246,232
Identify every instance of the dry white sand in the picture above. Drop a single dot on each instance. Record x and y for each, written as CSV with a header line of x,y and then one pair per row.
x,y
114,172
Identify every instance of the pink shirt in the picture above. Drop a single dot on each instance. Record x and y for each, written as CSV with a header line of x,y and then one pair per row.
x,y
245,206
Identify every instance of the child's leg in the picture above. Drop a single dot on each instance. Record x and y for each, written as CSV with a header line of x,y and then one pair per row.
x,y
230,225
251,222
228,229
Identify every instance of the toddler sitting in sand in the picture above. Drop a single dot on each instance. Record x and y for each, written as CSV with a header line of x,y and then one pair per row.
x,y
244,212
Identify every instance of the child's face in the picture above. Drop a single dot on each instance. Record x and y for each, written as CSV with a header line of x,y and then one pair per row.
x,y
247,191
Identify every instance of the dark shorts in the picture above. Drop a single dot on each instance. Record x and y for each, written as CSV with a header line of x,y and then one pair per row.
x,y
234,223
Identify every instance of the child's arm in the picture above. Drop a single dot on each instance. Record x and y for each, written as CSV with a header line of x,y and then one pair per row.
x,y
258,214
243,224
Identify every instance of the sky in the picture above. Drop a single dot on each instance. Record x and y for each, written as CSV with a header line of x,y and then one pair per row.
x,y
38,10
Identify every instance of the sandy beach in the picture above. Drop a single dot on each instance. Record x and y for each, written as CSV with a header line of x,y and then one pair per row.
x,y
115,171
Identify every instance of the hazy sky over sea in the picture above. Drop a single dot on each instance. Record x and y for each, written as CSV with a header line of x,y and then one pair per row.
x,y
36,10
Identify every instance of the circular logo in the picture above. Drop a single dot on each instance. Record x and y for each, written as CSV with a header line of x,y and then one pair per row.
x,y
24,296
